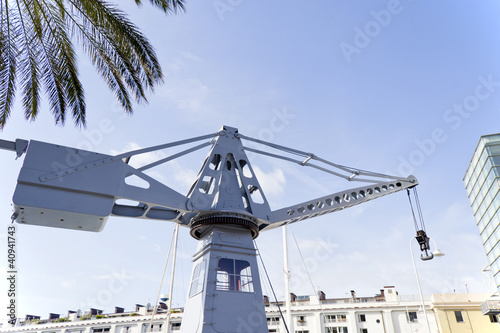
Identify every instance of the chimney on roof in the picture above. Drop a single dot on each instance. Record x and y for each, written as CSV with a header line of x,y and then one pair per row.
x,y
382,293
95,312
293,297
390,294
266,300
72,315
353,295
138,307
31,317
163,306
321,295
119,309
53,316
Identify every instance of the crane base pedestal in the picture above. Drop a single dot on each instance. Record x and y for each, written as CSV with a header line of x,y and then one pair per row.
x,y
225,293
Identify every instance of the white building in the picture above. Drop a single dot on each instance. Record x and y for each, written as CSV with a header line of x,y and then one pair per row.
x,y
482,183
386,312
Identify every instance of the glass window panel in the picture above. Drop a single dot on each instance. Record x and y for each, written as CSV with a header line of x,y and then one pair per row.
x,y
481,211
491,242
491,257
225,281
226,265
193,289
495,251
495,266
234,275
196,272
458,316
242,267
491,176
246,284
490,138
487,194
411,316
493,150
475,206
484,237
488,215
198,279
201,279
496,160
484,155
488,164
496,171
491,194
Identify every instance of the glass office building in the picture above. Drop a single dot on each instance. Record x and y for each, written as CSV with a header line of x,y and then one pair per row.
x,y
482,182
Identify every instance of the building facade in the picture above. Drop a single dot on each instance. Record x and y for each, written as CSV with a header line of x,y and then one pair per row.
x,y
482,183
386,312
459,313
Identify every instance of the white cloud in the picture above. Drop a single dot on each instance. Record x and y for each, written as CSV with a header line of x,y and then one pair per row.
x,y
190,56
179,63
175,65
69,284
103,277
273,183
178,175
192,97
142,159
185,177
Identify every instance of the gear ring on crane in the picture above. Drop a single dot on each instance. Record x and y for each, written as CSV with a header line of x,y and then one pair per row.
x,y
200,223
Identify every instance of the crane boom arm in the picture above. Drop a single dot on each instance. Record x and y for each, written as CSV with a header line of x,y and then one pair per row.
x,y
337,201
19,146
72,188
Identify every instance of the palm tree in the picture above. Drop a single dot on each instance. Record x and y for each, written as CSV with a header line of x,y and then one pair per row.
x,y
36,50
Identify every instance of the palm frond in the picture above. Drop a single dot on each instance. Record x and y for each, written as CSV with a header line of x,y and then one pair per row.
x,y
8,61
28,66
51,66
107,29
167,6
36,49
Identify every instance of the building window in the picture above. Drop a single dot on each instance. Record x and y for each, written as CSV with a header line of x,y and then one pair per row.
x,y
336,330
411,317
234,275
459,317
100,330
302,331
198,279
493,318
301,320
361,318
122,329
273,321
363,330
154,328
335,318
176,326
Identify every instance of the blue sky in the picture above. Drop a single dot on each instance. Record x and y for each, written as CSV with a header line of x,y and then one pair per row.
x,y
419,89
